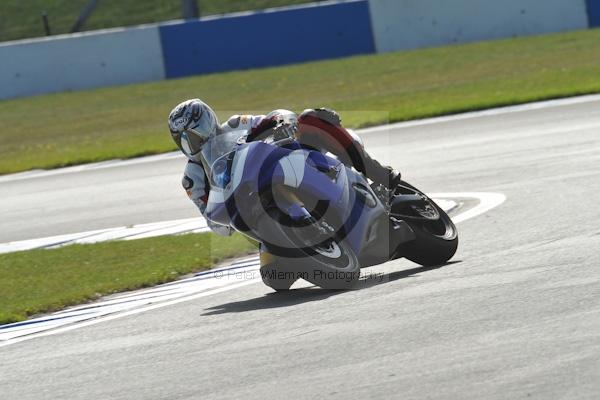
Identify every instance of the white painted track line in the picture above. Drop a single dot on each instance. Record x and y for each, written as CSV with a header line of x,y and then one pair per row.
x,y
232,276
141,231
487,201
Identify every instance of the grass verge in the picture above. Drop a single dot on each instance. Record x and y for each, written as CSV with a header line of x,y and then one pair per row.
x,y
39,281
70,128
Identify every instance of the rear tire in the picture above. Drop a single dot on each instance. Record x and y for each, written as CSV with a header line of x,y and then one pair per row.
x,y
436,241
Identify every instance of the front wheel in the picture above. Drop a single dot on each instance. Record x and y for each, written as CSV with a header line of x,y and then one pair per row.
x,y
333,266
436,235
276,278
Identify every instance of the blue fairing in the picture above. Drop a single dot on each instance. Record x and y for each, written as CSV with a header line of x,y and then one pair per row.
x,y
257,174
322,183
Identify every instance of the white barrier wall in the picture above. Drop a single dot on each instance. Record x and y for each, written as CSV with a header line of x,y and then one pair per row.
x,y
82,61
409,24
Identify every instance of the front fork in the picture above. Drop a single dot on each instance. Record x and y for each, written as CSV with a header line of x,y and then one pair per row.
x,y
294,207
297,211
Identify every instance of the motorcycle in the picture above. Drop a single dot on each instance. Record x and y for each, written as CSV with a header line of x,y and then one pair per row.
x,y
261,187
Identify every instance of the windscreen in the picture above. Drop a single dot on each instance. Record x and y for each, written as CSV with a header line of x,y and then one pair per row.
x,y
219,145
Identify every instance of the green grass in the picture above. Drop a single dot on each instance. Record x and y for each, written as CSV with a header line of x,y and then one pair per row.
x,y
38,281
69,128
22,18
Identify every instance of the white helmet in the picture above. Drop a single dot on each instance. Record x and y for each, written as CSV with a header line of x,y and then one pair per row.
x,y
192,123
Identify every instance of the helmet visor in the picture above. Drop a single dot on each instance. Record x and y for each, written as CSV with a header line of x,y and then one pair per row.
x,y
195,136
192,141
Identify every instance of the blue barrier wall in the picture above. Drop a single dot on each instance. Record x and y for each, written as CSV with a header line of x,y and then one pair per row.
x,y
267,38
593,11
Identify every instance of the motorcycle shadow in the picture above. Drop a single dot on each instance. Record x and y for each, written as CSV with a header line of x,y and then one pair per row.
x,y
304,295
372,280
273,300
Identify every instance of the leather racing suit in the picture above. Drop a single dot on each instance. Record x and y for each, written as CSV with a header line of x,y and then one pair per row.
x,y
319,128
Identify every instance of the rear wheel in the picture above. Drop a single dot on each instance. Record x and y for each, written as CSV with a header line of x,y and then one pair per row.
x,y
436,235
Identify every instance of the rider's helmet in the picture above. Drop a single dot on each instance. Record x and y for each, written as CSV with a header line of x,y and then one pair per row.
x,y
192,123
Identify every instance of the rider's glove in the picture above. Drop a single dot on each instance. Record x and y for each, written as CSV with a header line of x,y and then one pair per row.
x,y
279,123
284,130
262,130
275,126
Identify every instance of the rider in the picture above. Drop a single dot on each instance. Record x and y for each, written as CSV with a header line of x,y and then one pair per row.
x,y
193,122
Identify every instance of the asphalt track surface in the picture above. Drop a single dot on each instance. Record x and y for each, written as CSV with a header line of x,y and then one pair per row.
x,y
516,315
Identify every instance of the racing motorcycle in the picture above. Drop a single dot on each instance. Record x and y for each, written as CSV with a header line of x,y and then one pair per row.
x,y
261,187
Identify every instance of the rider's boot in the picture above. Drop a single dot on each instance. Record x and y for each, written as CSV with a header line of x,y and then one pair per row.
x,y
380,174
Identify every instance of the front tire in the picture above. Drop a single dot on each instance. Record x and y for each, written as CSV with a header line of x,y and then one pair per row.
x,y
276,279
329,265
335,266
